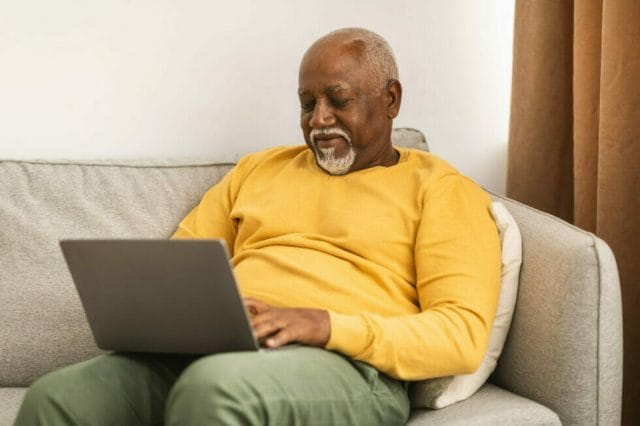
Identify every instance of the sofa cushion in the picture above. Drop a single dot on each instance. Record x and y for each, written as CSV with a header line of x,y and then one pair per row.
x,y
489,406
10,400
564,348
43,324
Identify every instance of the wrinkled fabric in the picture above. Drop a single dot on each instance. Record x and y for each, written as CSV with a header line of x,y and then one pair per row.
x,y
574,148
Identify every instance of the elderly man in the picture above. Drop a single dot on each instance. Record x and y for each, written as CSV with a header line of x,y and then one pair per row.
x,y
382,263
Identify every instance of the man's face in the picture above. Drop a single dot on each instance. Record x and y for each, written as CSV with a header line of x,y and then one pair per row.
x,y
344,119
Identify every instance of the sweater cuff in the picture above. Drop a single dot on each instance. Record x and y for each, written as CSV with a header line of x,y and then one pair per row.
x,y
349,334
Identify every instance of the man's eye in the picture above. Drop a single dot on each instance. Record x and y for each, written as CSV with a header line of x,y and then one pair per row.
x,y
339,103
308,106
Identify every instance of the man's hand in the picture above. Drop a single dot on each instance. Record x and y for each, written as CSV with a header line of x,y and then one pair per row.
x,y
275,327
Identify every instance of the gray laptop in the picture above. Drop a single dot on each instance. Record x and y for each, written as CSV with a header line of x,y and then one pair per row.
x,y
169,296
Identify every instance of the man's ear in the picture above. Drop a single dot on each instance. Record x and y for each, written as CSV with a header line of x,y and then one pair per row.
x,y
394,98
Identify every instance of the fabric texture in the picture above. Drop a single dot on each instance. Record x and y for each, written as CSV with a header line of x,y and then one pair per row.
x,y
43,323
409,138
574,146
490,406
443,391
292,385
565,336
415,242
10,399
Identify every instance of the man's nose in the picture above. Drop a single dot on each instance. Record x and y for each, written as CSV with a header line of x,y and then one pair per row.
x,y
322,116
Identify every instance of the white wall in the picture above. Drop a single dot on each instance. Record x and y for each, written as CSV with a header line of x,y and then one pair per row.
x,y
118,78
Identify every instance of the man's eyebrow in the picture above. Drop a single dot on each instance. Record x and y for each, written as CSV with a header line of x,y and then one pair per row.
x,y
336,88
330,89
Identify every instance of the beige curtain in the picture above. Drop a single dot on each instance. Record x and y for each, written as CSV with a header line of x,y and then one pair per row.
x,y
574,147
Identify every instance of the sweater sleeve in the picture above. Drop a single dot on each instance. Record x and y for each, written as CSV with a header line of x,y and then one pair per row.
x,y
457,262
211,218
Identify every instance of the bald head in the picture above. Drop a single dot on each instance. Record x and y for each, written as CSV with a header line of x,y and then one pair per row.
x,y
371,51
349,95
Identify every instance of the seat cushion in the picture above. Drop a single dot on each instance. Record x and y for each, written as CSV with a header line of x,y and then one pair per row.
x,y
10,399
489,406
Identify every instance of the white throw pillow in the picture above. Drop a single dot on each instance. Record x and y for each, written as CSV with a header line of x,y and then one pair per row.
x,y
443,391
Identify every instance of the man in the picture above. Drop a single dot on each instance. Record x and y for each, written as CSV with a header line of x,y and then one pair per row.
x,y
382,262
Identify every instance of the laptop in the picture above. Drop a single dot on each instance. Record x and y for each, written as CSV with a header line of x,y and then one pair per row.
x,y
166,296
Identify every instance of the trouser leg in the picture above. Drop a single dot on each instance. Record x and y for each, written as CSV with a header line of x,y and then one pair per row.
x,y
291,386
122,389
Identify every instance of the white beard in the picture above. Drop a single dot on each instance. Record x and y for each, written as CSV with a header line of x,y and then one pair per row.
x,y
326,157
335,166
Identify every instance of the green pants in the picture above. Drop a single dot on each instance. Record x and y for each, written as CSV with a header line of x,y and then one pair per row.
x,y
294,385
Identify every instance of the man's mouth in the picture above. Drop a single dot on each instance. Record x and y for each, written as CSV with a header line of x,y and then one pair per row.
x,y
329,141
329,137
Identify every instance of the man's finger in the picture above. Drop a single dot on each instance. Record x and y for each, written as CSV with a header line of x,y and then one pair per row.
x,y
281,338
267,327
254,306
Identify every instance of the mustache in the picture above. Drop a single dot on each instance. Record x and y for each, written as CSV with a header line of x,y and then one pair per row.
x,y
328,131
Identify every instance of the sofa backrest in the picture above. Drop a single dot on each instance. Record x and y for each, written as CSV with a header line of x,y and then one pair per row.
x,y
42,323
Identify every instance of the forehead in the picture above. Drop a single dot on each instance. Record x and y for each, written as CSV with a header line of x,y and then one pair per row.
x,y
329,69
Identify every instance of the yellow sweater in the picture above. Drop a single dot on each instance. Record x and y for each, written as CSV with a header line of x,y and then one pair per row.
x,y
406,258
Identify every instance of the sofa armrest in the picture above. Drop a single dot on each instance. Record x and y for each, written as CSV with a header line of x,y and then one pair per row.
x,y
564,347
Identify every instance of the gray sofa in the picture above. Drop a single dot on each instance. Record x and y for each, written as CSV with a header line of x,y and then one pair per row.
x,y
562,361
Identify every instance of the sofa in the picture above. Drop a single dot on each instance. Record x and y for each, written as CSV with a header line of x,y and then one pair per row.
x,y
562,361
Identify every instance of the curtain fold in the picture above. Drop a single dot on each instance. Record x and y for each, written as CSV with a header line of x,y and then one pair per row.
x,y
539,168
586,110
574,143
